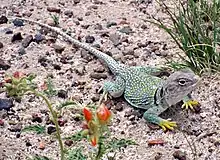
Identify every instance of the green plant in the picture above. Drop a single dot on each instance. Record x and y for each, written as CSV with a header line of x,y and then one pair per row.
x,y
195,29
55,19
34,128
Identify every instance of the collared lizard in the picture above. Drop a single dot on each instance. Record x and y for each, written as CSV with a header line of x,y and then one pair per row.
x,y
141,89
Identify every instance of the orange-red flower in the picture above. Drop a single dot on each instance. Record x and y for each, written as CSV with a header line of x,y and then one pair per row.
x,y
93,140
87,114
103,114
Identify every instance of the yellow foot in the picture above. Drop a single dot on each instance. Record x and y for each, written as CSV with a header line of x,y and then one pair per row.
x,y
166,124
190,104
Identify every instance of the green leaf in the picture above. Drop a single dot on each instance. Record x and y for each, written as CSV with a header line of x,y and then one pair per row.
x,y
34,128
76,137
75,154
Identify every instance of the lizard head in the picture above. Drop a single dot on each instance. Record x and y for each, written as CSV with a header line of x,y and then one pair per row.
x,y
178,85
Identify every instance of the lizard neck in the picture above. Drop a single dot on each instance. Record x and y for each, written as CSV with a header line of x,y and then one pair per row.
x,y
160,97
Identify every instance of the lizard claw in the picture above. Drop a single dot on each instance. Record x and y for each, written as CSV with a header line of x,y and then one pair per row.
x,y
190,104
166,124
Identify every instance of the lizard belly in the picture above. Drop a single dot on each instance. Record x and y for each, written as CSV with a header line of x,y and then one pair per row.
x,y
140,89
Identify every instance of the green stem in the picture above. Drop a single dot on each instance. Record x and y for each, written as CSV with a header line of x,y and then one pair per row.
x,y
54,115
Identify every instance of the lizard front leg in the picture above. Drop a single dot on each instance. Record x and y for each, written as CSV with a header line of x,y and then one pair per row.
x,y
188,102
151,115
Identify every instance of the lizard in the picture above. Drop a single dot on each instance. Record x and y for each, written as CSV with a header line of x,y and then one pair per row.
x,y
138,84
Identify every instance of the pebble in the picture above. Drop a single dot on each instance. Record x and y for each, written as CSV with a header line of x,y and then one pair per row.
x,y
42,61
99,69
61,122
119,107
51,129
56,66
58,48
80,70
36,118
68,13
179,155
16,128
98,75
76,1
95,97
3,19
38,37
68,142
128,51
126,30
85,55
42,145
17,36
21,51
62,93
1,45
110,24
53,9
98,26
8,31
89,39
115,38
1,122
50,22
26,41
6,104
18,22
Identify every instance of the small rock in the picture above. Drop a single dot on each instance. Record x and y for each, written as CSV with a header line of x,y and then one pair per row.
x,y
119,107
27,13
1,122
110,24
42,145
88,13
1,45
76,1
51,22
98,75
36,118
85,26
53,9
42,61
126,30
6,104
89,39
61,122
98,26
18,23
8,31
132,118
68,142
115,38
80,18
57,66
92,7
16,36
3,19
95,97
58,48
51,129
158,156
85,55
4,65
16,128
80,70
68,13
156,142
21,51
28,143
38,37
179,155
128,51
62,94
27,40
99,69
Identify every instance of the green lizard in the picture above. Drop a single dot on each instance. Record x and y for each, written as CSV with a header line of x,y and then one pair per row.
x,y
141,89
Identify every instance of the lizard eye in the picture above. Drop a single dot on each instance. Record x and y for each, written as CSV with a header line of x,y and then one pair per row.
x,y
182,82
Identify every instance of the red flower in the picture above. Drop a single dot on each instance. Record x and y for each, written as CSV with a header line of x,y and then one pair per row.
x,y
18,74
87,114
103,114
93,140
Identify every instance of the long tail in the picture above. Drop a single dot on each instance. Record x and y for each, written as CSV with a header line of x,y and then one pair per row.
x,y
113,65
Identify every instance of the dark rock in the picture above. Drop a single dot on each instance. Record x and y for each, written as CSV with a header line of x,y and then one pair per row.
x,y
88,13
68,142
58,48
1,122
68,13
48,120
93,7
98,26
16,128
18,23
1,45
61,122
28,144
36,118
38,37
8,31
132,118
126,30
27,40
95,97
3,19
98,75
179,155
62,94
43,61
144,26
16,36
85,26
57,66
80,18
53,9
99,69
115,38
119,107
76,1
51,129
85,55
89,39
6,104
110,24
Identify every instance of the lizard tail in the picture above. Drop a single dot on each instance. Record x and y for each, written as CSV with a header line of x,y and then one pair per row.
x,y
113,65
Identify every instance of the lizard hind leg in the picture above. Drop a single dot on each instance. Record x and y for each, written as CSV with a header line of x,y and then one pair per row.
x,y
115,88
